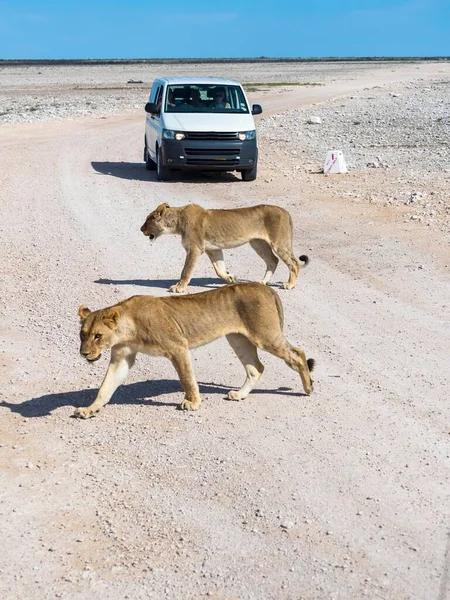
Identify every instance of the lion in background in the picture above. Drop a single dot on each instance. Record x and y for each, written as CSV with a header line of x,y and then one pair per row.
x,y
268,229
249,315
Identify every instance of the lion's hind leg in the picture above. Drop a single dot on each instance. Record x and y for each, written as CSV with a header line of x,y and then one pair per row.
x,y
247,354
294,357
292,264
262,248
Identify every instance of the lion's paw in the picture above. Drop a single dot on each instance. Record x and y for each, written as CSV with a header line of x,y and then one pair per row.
x,y
287,286
85,412
234,395
177,288
189,405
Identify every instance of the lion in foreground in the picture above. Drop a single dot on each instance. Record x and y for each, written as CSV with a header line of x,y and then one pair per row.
x,y
268,230
250,315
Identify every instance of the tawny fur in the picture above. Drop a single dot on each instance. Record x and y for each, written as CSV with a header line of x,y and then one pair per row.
x,y
250,315
268,229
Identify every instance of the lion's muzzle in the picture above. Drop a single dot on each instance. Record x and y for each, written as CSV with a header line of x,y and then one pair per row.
x,y
149,235
90,358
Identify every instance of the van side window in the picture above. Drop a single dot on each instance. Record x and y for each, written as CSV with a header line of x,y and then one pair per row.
x,y
158,98
155,91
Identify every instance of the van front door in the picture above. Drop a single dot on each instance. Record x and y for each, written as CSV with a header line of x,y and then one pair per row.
x,y
153,125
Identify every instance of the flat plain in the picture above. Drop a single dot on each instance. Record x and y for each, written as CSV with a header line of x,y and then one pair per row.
x,y
340,495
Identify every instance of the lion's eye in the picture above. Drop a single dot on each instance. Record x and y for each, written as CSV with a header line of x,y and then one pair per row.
x,y
97,336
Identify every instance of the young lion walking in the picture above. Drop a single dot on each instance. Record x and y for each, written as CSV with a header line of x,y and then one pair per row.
x,y
250,315
267,228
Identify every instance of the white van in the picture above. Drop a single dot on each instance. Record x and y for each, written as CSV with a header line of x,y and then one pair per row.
x,y
200,124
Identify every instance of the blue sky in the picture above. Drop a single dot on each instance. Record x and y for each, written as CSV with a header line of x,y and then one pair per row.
x,y
217,29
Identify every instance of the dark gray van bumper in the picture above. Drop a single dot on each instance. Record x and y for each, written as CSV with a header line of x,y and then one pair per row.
x,y
209,154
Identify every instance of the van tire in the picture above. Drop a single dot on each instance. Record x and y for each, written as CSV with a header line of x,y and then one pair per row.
x,y
250,174
150,164
162,172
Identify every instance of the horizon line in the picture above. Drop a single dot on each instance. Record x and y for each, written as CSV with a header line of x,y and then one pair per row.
x,y
43,61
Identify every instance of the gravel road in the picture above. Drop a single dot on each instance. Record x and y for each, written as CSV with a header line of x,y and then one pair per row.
x,y
342,495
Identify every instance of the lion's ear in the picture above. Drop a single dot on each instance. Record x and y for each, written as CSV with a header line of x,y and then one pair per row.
x,y
161,209
83,312
111,318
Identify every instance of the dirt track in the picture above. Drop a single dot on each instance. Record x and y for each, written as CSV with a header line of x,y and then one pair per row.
x,y
341,495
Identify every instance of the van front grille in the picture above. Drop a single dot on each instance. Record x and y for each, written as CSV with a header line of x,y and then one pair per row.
x,y
211,135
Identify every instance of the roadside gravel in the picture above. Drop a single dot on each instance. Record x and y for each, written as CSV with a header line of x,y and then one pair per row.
x,y
396,138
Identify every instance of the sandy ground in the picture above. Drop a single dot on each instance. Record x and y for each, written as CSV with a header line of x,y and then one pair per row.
x,y
342,495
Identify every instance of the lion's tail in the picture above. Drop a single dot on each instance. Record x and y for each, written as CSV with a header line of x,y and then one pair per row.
x,y
304,259
310,361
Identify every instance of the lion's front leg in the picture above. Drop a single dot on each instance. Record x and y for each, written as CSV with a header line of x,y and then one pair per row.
x,y
181,360
120,363
192,257
216,257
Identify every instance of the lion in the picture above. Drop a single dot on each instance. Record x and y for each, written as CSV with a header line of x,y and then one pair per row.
x,y
249,315
268,230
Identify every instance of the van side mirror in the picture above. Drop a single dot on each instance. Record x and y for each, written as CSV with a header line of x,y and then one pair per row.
x,y
256,109
152,108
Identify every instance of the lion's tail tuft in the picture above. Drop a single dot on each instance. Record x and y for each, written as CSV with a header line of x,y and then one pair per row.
x,y
304,259
311,364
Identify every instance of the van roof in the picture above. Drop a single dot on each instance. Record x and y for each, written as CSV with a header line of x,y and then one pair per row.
x,y
197,80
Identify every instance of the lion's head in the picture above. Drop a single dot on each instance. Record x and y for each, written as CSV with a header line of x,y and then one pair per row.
x,y
155,224
97,331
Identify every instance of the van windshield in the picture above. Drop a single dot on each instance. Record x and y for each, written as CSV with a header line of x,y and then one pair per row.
x,y
205,98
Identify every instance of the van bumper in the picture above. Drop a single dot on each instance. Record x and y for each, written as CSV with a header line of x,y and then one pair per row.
x,y
209,155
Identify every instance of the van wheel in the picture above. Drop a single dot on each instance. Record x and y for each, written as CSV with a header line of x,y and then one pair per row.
x,y
162,172
150,164
249,174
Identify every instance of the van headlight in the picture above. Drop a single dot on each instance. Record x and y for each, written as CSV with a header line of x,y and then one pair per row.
x,y
247,135
169,134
